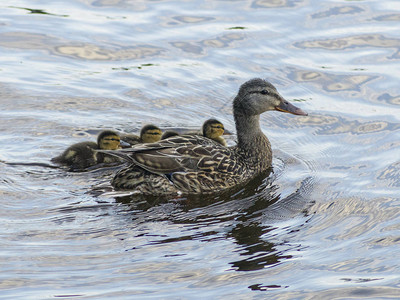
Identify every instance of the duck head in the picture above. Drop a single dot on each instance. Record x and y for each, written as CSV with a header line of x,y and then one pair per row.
x,y
150,134
213,128
257,96
108,140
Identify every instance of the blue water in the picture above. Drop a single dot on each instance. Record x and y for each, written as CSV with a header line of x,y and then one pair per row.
x,y
323,225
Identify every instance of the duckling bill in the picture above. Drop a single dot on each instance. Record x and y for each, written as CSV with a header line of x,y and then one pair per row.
x,y
198,165
83,155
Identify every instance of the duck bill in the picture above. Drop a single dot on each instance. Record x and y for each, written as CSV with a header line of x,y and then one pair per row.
x,y
124,144
287,107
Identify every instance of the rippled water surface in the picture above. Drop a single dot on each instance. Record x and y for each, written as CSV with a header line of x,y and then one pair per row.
x,y
324,225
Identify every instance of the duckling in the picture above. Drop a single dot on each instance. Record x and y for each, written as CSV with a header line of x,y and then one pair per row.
x,y
83,155
214,129
148,134
185,165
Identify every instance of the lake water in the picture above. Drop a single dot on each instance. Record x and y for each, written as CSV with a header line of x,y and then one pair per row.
x,y
324,225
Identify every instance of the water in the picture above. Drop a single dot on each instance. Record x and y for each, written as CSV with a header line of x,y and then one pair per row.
x,y
324,225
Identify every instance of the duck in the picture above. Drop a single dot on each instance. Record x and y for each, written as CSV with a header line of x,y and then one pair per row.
x,y
148,134
83,155
193,164
212,129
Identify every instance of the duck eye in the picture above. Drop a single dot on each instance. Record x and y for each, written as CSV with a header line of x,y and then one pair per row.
x,y
265,92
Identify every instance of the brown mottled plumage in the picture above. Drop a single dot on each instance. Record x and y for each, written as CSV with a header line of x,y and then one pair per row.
x,y
148,134
83,155
192,164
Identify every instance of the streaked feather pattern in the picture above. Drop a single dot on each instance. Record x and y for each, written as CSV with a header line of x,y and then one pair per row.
x,y
193,164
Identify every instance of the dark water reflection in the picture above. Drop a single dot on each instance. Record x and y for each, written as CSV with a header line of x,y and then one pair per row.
x,y
247,213
323,225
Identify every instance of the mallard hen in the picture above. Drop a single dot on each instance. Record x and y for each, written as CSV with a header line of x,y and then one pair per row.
x,y
83,155
195,164
148,134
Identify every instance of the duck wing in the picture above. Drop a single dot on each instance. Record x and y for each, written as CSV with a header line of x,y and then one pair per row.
x,y
177,154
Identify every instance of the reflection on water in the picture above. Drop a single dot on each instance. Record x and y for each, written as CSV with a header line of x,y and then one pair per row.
x,y
274,3
38,11
337,11
390,99
336,125
323,224
246,212
95,53
334,83
259,253
391,175
80,51
370,40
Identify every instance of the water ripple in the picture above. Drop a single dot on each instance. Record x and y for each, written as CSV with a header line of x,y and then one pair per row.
x,y
323,224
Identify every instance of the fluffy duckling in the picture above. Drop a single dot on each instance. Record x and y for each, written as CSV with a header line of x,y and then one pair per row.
x,y
83,155
214,129
148,134
198,165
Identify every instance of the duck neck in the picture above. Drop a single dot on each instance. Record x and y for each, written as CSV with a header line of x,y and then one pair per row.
x,y
251,139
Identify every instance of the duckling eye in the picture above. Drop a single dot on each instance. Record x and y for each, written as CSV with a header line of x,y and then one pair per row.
x,y
265,92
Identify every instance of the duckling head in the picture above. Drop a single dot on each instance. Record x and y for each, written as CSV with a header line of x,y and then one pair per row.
x,y
108,140
213,128
257,96
150,134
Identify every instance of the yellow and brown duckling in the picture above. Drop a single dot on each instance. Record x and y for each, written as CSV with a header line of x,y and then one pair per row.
x,y
198,165
148,134
83,155
212,129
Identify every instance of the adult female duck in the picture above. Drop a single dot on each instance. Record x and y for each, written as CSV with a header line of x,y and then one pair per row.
x,y
198,165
